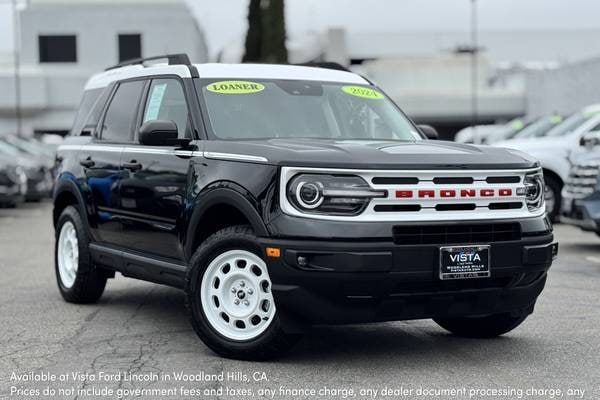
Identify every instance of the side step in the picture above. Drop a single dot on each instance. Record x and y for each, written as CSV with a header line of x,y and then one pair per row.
x,y
138,266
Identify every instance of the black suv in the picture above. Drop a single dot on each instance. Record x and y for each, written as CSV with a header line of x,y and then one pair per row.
x,y
280,197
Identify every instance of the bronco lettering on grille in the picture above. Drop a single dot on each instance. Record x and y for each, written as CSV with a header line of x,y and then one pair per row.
x,y
453,193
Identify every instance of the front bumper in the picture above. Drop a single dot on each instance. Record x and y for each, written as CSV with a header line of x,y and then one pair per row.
x,y
337,282
584,213
10,195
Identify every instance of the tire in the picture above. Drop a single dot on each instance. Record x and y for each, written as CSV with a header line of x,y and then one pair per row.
x,y
79,281
250,329
481,327
553,186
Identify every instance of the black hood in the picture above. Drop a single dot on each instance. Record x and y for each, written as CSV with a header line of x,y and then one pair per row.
x,y
365,154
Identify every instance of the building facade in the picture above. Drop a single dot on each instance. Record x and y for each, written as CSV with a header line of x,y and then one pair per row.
x,y
64,42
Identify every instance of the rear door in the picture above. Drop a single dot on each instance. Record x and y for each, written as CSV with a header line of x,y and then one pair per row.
x,y
154,180
101,159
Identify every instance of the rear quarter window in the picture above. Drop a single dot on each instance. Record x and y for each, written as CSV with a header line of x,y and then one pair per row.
x,y
89,110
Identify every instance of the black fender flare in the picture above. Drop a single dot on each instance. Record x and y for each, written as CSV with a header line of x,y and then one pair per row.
x,y
230,195
64,185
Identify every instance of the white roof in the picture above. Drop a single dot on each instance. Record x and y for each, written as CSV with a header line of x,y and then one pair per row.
x,y
227,71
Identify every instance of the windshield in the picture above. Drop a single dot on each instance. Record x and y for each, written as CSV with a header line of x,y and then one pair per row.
x,y
539,128
260,109
8,149
570,124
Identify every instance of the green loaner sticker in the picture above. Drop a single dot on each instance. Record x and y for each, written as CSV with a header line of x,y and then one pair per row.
x,y
235,87
361,91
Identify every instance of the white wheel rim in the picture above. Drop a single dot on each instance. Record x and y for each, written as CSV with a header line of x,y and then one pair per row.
x,y
68,254
236,295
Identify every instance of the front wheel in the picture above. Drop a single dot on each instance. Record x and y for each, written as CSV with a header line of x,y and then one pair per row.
x,y
481,327
230,300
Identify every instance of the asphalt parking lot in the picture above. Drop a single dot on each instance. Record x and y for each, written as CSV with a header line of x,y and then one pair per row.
x,y
142,329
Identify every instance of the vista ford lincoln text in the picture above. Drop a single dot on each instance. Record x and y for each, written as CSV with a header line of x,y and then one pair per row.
x,y
281,196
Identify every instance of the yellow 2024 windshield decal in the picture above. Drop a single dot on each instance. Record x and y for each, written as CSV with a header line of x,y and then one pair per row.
x,y
235,87
361,91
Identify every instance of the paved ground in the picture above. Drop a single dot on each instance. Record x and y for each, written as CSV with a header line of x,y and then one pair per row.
x,y
142,328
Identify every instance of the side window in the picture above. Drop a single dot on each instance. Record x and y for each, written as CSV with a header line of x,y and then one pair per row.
x,y
121,113
89,110
166,101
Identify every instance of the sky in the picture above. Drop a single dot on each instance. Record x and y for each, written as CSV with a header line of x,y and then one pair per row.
x,y
224,21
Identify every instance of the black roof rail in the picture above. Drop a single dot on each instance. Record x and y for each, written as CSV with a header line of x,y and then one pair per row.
x,y
172,59
324,64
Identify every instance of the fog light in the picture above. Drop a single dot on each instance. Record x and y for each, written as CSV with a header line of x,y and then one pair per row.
x,y
302,261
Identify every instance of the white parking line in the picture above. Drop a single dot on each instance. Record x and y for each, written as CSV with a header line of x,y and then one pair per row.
x,y
593,259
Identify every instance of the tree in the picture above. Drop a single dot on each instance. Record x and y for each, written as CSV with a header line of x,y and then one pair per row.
x,y
254,35
265,40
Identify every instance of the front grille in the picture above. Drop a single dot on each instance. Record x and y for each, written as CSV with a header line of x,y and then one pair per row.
x,y
582,179
456,234
466,195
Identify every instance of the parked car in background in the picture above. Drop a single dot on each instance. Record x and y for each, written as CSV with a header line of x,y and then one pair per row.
x,y
32,146
51,141
539,128
517,128
581,193
554,149
46,155
477,133
509,130
13,182
36,168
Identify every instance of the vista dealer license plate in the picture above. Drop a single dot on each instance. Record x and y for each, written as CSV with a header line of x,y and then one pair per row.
x,y
464,262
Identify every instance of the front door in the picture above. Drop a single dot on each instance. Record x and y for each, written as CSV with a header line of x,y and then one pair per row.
x,y
101,160
154,180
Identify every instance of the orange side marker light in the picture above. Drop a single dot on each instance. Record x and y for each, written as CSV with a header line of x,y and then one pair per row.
x,y
273,252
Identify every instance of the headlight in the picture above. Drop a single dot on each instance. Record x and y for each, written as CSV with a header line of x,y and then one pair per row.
x,y
533,190
331,194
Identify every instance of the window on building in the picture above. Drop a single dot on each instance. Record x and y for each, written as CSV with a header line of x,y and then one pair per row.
x,y
120,116
57,48
130,47
166,101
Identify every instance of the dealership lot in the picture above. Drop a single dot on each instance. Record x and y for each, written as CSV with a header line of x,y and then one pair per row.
x,y
142,330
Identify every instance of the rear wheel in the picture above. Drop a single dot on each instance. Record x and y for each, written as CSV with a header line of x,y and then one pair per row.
x,y
229,298
481,327
79,281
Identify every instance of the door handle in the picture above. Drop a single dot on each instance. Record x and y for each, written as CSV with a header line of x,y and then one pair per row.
x,y
87,163
132,165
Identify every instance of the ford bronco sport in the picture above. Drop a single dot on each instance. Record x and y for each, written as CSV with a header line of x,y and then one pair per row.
x,y
280,197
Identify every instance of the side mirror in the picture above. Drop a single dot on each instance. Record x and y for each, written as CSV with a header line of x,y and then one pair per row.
x,y
429,131
590,139
158,133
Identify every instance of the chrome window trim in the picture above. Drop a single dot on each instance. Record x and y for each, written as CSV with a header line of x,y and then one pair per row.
x,y
234,157
156,150
129,149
